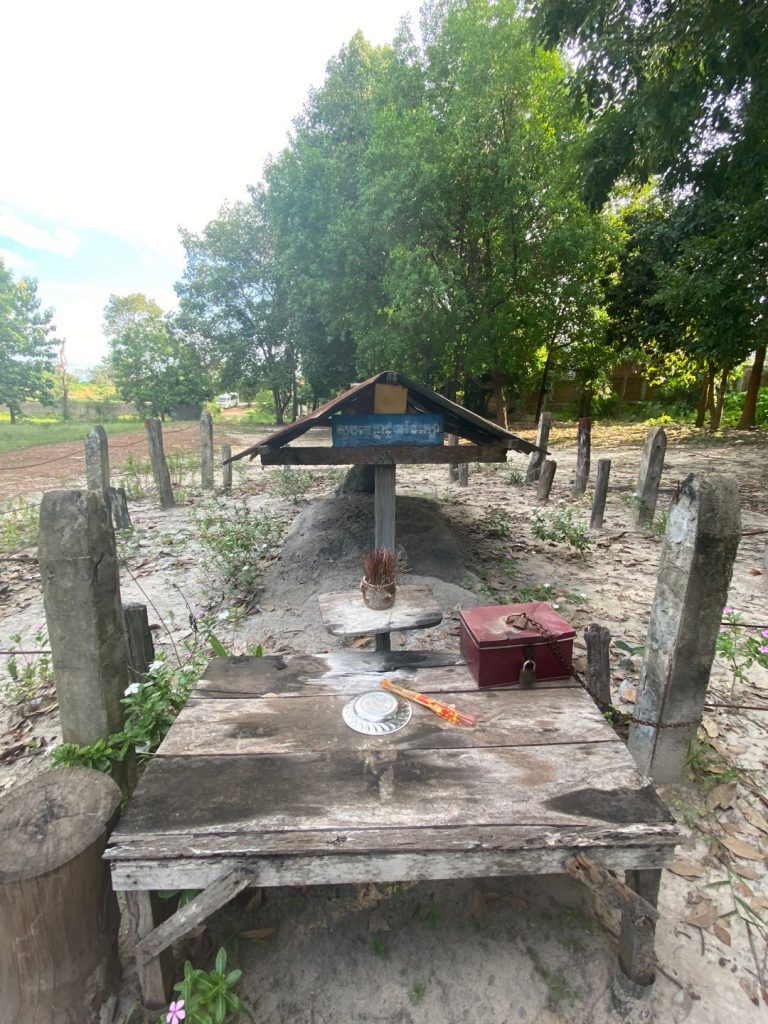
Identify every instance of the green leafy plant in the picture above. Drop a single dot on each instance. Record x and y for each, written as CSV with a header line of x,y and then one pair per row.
x,y
135,476
19,520
418,990
497,522
739,650
561,527
237,541
206,997
291,483
26,673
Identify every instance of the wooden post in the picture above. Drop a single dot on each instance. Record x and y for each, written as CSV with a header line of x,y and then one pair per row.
x,y
384,507
582,455
700,545
463,471
156,975
97,460
154,431
545,482
637,960
601,494
118,507
598,679
536,461
649,478
81,593
58,960
139,643
453,468
226,467
206,451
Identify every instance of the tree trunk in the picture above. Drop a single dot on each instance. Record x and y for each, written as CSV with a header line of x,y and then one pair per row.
x,y
711,393
714,423
278,406
585,402
543,385
749,413
12,411
701,411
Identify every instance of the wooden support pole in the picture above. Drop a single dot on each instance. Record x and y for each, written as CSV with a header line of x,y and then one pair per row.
x,y
118,508
545,481
598,677
697,558
635,973
583,442
59,960
536,460
206,451
226,468
384,507
81,594
649,477
463,471
156,974
139,643
453,468
97,461
154,432
601,494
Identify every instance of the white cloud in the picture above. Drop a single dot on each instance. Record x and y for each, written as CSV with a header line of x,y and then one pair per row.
x,y
14,261
59,241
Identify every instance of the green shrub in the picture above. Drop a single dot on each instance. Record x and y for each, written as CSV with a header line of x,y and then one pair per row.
x,y
562,527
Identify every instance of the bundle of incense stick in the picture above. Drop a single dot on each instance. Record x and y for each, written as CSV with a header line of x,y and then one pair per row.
x,y
443,710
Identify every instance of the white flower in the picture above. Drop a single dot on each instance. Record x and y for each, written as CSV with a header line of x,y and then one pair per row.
x,y
133,688
223,616
555,606
156,665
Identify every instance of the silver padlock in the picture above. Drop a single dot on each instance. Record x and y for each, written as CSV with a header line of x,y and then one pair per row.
x,y
528,673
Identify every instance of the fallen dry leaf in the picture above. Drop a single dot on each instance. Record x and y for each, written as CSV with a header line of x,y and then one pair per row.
x,y
720,748
747,871
741,848
759,903
732,828
687,868
258,933
711,727
703,915
753,816
751,989
722,933
722,796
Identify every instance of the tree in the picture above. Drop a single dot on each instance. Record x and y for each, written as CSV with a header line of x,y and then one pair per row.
x,y
231,294
154,365
27,351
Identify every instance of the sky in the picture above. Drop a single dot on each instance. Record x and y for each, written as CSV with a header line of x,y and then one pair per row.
x,y
122,122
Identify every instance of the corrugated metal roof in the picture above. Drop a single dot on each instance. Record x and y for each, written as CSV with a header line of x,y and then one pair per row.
x,y
458,420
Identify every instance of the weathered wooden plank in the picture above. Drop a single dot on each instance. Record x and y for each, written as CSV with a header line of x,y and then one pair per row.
x,y
274,725
450,839
384,506
337,868
155,976
213,897
592,784
394,454
346,614
343,672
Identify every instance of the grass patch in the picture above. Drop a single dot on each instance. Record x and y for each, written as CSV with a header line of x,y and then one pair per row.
x,y
32,433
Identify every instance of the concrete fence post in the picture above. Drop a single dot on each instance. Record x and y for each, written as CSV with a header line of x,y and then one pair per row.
x,y
584,442
536,460
81,594
97,461
697,557
601,494
226,467
206,451
649,478
162,477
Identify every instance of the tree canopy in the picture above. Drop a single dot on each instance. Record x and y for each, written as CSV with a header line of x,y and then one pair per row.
x,y
27,350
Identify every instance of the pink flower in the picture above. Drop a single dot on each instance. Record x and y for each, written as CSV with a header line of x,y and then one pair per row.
x,y
764,650
724,629
176,1012
765,632
727,611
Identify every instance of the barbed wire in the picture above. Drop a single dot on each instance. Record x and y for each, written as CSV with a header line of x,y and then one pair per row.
x,y
74,455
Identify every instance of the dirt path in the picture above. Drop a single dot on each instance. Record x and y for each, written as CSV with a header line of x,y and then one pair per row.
x,y
490,952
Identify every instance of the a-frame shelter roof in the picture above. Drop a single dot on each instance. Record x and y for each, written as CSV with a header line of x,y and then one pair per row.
x,y
359,400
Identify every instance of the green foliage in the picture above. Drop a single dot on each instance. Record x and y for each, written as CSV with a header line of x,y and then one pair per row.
x,y
379,948
237,541
209,997
290,483
26,673
135,476
739,649
734,404
497,522
154,365
562,527
417,993
19,522
27,352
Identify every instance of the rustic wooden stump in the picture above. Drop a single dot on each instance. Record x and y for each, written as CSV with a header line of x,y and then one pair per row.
x,y
545,480
226,468
536,461
58,958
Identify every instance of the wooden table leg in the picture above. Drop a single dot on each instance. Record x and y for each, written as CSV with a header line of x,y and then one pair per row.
x,y
155,976
383,642
635,974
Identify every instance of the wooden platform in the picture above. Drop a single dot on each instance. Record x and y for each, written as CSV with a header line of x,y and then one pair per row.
x,y
345,613
260,775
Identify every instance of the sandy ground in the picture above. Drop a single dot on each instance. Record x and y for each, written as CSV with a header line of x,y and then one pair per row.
x,y
492,950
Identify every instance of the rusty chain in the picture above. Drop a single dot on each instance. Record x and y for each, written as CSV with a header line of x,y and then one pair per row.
x,y
554,645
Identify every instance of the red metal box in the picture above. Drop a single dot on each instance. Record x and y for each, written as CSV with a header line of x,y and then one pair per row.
x,y
498,641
